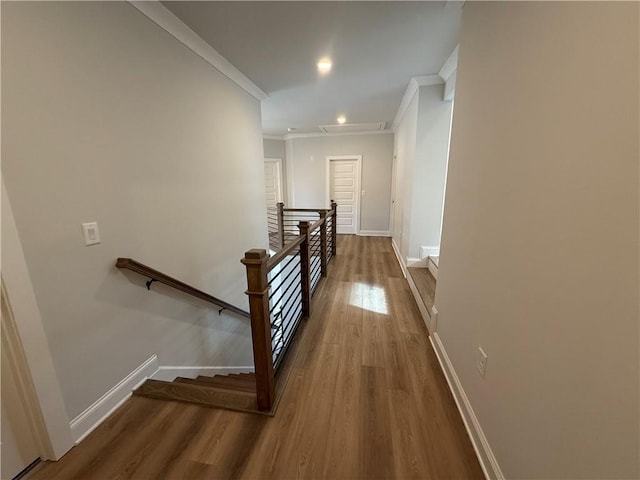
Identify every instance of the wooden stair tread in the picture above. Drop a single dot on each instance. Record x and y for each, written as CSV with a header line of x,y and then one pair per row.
x,y
229,383
199,394
220,383
249,377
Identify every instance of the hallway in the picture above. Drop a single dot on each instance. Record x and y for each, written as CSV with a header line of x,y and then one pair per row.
x,y
365,399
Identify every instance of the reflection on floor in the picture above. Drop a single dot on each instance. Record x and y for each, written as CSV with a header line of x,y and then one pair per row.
x,y
425,283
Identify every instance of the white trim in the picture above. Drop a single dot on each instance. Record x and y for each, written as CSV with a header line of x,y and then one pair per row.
x,y
101,409
450,65
416,262
433,268
448,73
434,317
358,159
374,233
426,317
267,136
353,127
429,251
392,198
169,373
414,85
450,87
29,326
162,16
396,250
479,441
337,134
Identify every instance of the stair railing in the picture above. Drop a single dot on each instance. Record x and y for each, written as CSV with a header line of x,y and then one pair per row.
x,y
280,288
156,276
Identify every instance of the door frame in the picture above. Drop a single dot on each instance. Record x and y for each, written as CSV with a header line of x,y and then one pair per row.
x,y
392,202
358,199
278,161
25,390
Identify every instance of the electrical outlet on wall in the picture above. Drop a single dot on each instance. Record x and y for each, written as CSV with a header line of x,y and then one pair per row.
x,y
481,364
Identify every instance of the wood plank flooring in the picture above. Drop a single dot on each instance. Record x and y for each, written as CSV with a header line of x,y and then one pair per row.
x,y
365,400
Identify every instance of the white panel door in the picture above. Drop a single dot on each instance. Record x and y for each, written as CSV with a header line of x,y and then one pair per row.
x,y
344,190
272,182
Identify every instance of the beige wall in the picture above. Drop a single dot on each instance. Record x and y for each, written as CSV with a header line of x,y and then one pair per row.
x,y
306,167
274,148
539,261
107,118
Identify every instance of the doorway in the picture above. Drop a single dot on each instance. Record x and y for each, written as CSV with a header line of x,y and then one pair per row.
x,y
343,186
273,181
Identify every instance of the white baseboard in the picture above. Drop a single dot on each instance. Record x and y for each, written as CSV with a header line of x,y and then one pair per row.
x,y
396,250
426,315
169,373
374,233
429,252
479,441
434,317
416,262
99,411
433,268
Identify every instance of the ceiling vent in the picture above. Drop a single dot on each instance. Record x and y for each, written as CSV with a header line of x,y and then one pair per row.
x,y
353,127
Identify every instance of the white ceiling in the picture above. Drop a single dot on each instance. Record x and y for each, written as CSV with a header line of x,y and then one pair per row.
x,y
376,47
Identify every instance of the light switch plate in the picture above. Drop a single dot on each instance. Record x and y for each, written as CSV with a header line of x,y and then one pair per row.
x,y
91,233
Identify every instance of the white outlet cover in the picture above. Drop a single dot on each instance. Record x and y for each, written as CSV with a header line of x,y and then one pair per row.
x,y
91,233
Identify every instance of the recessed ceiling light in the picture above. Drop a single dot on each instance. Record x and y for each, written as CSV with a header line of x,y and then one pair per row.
x,y
290,129
341,119
324,65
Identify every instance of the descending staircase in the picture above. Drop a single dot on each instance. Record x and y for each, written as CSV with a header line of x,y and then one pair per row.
x,y
233,391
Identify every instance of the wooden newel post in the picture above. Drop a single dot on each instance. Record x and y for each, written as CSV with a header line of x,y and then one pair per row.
x,y
304,269
323,243
334,228
258,291
280,207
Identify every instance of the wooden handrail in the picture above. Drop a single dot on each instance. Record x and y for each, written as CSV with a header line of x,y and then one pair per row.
x,y
156,276
277,258
315,225
301,209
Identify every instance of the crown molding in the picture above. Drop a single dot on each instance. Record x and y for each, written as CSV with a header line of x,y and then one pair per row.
x,y
414,84
272,137
449,66
163,17
292,136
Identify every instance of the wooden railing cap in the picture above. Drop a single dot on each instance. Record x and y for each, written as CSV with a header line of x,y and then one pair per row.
x,y
256,253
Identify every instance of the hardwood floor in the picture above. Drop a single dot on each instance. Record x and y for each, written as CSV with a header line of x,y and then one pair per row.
x,y
366,399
